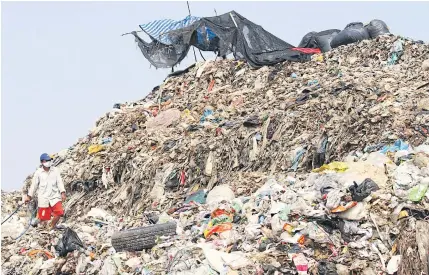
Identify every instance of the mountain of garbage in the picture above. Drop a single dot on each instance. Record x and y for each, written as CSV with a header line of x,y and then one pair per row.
x,y
319,167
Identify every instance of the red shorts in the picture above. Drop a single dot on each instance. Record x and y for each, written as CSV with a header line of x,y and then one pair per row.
x,y
57,210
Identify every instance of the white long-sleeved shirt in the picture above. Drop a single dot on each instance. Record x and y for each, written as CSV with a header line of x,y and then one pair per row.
x,y
49,185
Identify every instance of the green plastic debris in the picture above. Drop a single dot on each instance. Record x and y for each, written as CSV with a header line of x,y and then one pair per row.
x,y
417,192
199,197
237,206
284,213
396,52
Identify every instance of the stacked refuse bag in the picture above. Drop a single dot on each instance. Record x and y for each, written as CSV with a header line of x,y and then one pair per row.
x,y
299,168
353,32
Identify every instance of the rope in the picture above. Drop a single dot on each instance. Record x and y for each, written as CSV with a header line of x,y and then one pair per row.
x,y
32,214
130,33
29,223
202,55
25,230
13,213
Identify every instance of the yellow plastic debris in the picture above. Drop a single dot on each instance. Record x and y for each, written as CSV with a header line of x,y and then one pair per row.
x,y
95,149
318,58
195,188
239,63
336,166
403,214
394,248
186,114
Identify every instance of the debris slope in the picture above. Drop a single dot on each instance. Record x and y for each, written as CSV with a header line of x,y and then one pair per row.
x,y
318,167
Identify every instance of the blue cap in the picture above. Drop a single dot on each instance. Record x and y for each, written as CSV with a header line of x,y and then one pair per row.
x,y
45,156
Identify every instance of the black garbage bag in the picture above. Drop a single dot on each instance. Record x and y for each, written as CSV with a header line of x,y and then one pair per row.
x,y
193,128
327,268
173,180
76,185
323,39
419,214
253,121
352,33
345,234
363,190
308,41
319,156
319,40
264,243
90,185
69,242
377,27
328,225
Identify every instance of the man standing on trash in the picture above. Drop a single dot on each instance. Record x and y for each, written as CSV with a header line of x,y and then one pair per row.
x,y
51,191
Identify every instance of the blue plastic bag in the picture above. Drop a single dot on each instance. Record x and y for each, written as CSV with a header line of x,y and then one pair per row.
x,y
397,146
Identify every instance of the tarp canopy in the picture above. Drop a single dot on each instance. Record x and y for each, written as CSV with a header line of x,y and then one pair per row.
x,y
159,29
224,34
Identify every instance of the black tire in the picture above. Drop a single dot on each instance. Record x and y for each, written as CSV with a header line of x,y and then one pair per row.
x,y
137,239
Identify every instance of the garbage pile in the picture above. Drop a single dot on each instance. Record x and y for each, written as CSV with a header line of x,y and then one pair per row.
x,y
300,168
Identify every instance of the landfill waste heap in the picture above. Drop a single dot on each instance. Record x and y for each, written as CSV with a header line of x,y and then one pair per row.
x,y
299,168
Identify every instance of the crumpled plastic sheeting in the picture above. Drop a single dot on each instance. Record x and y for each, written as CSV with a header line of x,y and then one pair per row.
x,y
164,119
220,193
333,199
405,177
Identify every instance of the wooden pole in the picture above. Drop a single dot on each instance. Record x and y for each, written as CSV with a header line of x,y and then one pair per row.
x,y
193,48
189,9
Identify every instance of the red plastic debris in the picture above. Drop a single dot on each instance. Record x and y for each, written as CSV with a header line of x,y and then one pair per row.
x,y
211,85
307,50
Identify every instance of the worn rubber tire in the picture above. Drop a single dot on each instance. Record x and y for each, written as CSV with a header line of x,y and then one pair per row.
x,y
137,239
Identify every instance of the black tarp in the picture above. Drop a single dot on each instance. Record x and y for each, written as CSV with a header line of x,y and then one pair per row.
x,y
377,27
319,40
234,34
352,33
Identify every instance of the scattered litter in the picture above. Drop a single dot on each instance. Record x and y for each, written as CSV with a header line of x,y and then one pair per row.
x,y
319,167
393,264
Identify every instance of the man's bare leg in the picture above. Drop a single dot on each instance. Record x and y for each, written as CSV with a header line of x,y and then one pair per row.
x,y
55,221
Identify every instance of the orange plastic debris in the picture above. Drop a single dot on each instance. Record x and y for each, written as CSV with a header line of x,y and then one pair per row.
x,y
217,229
342,208
288,228
35,252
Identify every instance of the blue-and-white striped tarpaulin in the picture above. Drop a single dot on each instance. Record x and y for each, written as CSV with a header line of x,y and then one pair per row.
x,y
158,28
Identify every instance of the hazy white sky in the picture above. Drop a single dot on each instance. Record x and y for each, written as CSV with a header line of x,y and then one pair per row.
x,y
64,64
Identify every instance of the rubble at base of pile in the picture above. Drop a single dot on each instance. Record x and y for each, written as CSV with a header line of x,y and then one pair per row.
x,y
300,168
